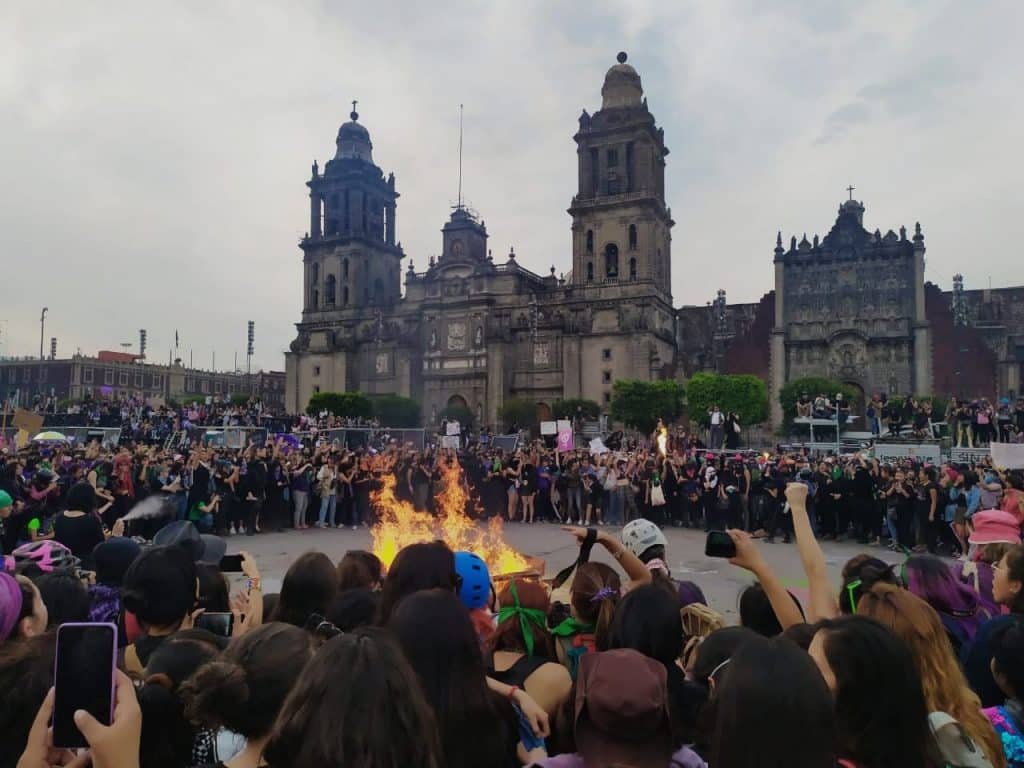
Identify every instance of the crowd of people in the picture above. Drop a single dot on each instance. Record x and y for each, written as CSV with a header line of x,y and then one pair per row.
x,y
433,662
969,423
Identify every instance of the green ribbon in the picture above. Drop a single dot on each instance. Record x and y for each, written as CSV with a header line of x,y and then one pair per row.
x,y
526,617
571,627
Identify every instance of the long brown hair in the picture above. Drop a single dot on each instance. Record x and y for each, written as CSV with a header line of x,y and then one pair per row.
x,y
945,687
508,635
595,593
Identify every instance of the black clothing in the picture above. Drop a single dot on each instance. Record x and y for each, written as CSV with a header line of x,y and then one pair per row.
x,y
80,535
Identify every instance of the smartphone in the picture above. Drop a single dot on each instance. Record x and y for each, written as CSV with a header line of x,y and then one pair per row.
x,y
719,545
231,564
220,624
83,679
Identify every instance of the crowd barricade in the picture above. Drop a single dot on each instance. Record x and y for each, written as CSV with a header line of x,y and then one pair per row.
x,y
968,455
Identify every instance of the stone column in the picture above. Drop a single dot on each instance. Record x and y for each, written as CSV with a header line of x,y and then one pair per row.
x,y
922,384
777,372
315,202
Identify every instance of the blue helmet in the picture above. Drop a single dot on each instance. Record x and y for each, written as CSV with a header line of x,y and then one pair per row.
x,y
475,586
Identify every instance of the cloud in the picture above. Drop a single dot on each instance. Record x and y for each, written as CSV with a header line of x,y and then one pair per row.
x,y
155,156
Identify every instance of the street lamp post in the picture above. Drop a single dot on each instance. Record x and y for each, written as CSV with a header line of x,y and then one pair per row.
x,y
42,330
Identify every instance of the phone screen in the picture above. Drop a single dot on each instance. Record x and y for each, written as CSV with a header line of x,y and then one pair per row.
x,y
220,624
719,545
83,679
231,564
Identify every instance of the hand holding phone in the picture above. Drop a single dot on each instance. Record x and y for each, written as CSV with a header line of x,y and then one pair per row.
x,y
86,661
220,624
719,544
231,564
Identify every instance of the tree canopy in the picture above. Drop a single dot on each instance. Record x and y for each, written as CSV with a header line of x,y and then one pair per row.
x,y
566,409
350,405
746,395
519,411
641,403
396,411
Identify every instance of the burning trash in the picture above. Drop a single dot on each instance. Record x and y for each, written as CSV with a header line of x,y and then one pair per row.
x,y
400,524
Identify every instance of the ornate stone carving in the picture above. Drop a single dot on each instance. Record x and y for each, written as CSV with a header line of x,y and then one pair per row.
x,y
456,336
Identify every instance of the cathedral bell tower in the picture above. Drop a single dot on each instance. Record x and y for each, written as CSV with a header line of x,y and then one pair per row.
x,y
620,223
350,255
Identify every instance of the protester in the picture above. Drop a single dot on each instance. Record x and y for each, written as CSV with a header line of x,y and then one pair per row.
x,y
1007,591
378,718
1008,670
945,688
309,586
243,690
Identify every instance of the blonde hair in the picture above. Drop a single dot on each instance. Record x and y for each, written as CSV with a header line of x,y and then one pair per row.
x,y
945,687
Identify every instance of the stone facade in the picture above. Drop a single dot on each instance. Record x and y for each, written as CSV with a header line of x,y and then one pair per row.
x,y
474,331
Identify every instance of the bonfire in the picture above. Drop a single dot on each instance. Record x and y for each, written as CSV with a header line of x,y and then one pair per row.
x,y
400,524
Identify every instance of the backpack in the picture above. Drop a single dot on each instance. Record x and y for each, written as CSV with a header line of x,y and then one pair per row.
x,y
955,747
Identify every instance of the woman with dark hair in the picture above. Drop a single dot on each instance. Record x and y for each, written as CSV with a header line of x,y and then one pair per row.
x,y
65,597
26,674
160,590
244,689
860,573
879,703
169,739
477,727
772,708
78,527
961,609
378,717
360,569
647,620
417,567
521,648
309,586
1007,590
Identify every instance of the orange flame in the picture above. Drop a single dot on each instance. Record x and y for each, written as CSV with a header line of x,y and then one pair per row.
x,y
400,524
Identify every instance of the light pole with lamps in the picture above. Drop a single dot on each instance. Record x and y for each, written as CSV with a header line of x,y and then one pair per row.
x,y
42,329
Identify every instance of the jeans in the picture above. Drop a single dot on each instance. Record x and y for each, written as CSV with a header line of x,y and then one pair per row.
x,y
328,505
574,501
717,433
180,506
616,505
301,502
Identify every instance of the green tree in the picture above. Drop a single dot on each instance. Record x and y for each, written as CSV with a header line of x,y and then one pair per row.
x,y
351,405
566,409
519,411
396,411
744,394
641,403
240,398
813,386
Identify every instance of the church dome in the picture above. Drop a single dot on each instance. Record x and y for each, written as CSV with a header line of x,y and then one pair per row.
x,y
622,86
354,140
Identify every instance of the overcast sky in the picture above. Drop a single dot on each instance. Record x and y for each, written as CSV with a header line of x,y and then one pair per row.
x,y
154,155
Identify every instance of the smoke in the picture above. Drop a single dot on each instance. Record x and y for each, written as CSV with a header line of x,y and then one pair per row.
x,y
149,509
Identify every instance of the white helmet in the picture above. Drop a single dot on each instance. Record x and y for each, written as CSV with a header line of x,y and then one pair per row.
x,y
640,535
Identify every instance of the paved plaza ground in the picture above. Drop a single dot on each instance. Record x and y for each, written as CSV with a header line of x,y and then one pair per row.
x,y
720,581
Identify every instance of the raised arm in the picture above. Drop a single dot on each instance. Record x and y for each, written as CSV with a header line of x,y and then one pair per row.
x,y
823,601
748,556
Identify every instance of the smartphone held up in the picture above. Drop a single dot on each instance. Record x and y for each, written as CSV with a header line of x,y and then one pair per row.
x,y
719,544
84,678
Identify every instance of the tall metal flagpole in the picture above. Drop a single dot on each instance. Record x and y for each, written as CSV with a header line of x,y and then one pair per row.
x,y
460,155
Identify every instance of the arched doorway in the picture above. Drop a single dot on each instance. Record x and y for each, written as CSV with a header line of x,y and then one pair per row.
x,y
458,401
543,412
857,405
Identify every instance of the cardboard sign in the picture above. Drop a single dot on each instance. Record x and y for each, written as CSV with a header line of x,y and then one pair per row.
x,y
597,446
27,420
450,441
548,428
21,439
453,428
1008,455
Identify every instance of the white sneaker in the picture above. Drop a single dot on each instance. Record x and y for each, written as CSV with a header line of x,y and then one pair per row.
x,y
233,531
355,527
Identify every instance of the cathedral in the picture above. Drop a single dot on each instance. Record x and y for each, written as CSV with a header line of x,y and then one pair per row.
x,y
472,331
